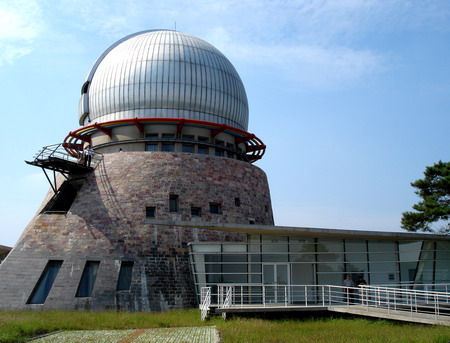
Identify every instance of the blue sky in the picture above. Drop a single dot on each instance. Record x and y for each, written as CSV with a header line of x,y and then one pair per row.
x,y
352,98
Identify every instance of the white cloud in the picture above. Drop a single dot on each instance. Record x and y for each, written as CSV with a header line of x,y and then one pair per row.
x,y
21,23
321,44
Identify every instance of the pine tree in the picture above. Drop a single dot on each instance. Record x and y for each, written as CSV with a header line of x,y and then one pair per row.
x,y
433,212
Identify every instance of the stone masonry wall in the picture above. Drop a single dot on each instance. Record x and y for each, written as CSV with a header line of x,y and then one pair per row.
x,y
107,223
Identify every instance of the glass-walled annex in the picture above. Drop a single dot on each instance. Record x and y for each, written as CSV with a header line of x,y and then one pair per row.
x,y
296,260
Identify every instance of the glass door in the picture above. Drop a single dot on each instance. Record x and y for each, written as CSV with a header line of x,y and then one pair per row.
x,y
276,281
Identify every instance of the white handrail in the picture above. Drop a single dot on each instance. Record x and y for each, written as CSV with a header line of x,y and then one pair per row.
x,y
369,297
205,301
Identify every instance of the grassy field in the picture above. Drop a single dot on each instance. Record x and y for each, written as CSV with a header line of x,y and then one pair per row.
x,y
19,326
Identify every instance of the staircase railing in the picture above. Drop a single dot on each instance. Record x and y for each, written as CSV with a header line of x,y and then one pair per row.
x,y
205,301
57,151
408,301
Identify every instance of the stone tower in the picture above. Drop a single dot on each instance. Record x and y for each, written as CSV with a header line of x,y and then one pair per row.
x,y
166,115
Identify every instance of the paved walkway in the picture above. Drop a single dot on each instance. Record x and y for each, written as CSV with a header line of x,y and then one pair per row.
x,y
383,313
202,334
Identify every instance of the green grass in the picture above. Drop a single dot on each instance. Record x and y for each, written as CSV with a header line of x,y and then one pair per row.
x,y
18,326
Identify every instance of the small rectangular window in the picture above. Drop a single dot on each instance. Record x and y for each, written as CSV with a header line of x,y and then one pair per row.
x,y
218,152
152,136
214,208
203,139
219,142
168,136
196,211
237,202
188,148
150,212
45,283
173,203
230,154
151,147
188,137
125,274
202,149
87,281
168,147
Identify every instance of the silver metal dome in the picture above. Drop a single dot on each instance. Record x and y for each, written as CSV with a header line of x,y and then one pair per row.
x,y
166,74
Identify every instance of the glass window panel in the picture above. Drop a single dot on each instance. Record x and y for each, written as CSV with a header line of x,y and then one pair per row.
x,y
329,245
234,248
409,251
125,273
302,274
88,277
330,267
213,269
206,248
187,148
355,257
408,271
234,258
234,278
255,257
425,268
275,257
383,278
234,268
330,279
282,274
382,251
442,274
45,283
301,244
168,147
268,274
255,268
355,246
204,150
302,258
356,268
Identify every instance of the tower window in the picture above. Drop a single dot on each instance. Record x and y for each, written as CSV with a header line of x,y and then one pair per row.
x,y
125,274
188,137
187,148
151,147
150,212
215,208
45,283
203,139
219,152
87,281
196,211
173,203
168,136
85,87
202,149
152,136
237,202
168,147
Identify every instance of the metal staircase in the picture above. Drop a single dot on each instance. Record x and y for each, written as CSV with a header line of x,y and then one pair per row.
x,y
56,159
